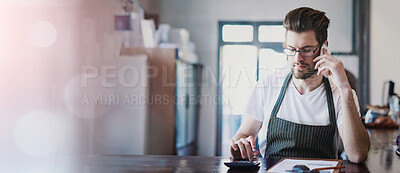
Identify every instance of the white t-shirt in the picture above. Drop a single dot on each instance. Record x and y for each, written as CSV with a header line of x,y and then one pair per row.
x,y
310,108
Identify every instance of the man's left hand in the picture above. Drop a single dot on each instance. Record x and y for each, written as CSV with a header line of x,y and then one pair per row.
x,y
333,68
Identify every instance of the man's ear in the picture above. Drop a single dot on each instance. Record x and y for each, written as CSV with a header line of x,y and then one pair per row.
x,y
326,42
284,45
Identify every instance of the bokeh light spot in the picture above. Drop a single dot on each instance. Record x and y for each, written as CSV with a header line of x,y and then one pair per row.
x,y
40,133
43,34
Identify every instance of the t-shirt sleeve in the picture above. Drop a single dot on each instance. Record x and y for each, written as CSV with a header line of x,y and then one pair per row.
x,y
339,118
254,106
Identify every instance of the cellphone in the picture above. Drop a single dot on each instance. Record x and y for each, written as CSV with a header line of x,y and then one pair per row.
x,y
324,46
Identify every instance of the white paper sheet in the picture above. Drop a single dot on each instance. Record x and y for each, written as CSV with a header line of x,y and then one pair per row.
x,y
288,164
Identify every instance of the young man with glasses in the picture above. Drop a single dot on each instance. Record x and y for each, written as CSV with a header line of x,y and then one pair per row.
x,y
305,113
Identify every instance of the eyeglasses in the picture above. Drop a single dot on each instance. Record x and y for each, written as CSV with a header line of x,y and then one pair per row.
x,y
303,52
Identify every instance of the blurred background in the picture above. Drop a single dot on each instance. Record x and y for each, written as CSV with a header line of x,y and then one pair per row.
x,y
169,77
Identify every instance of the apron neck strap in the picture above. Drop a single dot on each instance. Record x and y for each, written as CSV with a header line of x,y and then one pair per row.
x,y
281,96
329,97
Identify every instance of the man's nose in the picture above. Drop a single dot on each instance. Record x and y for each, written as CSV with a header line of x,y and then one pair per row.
x,y
298,57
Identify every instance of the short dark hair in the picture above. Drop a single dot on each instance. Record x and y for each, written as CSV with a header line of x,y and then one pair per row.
x,y
307,19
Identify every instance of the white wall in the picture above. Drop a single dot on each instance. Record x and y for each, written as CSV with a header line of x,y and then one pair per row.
x,y
385,44
201,19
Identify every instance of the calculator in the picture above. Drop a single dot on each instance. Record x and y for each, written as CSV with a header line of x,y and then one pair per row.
x,y
245,165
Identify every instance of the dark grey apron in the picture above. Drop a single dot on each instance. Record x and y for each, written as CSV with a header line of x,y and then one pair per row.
x,y
289,139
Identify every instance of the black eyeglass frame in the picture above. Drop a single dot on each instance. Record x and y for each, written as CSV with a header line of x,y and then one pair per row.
x,y
300,51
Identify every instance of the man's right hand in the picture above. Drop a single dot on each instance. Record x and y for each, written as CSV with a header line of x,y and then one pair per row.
x,y
244,148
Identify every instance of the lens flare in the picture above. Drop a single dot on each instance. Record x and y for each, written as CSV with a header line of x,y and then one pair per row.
x,y
87,101
43,34
41,133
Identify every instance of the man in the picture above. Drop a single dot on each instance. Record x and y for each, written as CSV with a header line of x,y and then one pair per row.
x,y
307,113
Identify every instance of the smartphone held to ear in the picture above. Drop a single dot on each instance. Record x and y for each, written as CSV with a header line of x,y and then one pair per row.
x,y
324,46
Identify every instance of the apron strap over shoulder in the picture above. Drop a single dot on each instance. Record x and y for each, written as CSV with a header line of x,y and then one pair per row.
x,y
329,98
281,96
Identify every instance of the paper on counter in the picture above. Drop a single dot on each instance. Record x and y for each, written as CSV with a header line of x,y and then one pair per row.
x,y
288,164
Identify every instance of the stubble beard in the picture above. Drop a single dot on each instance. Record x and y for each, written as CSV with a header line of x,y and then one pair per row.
x,y
304,73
